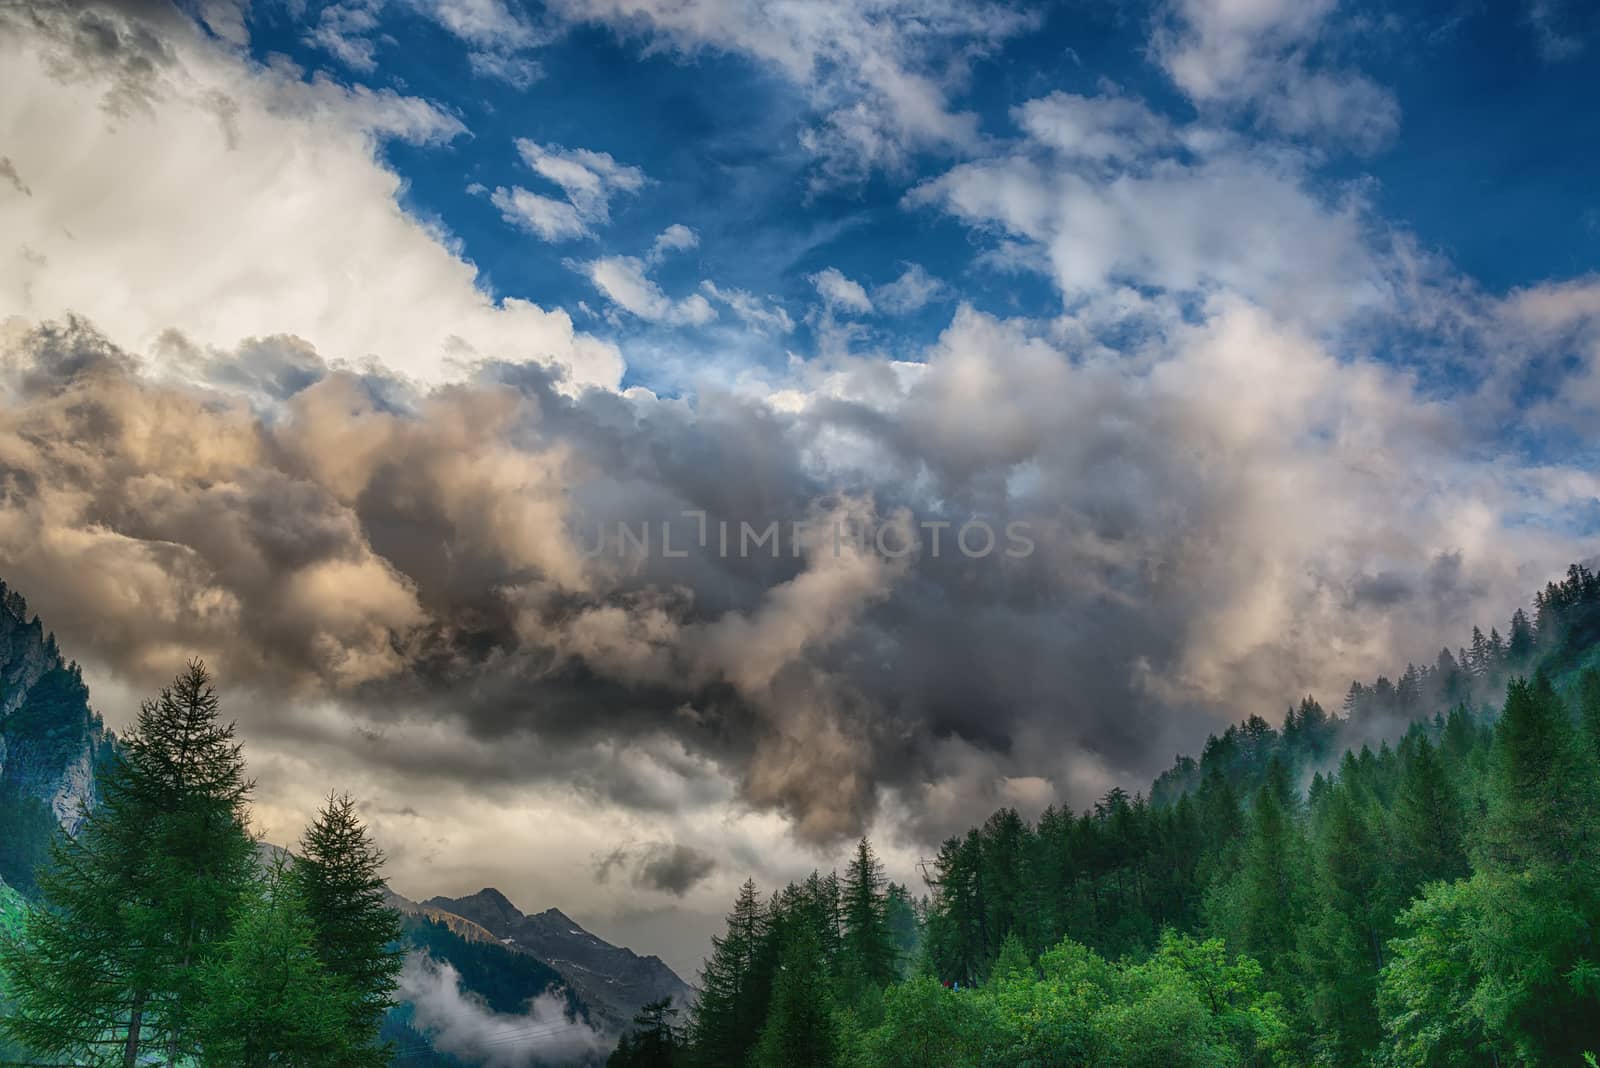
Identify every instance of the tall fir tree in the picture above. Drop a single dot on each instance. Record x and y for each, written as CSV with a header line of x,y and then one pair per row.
x,y
1428,821
800,1027
268,999
338,877
109,971
869,948
733,987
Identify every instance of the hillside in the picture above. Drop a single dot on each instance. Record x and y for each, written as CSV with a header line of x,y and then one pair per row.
x,y
51,741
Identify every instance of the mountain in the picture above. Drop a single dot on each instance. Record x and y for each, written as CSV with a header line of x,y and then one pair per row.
x,y
51,742
612,980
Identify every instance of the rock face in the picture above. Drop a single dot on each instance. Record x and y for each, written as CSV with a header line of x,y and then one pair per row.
x,y
51,742
613,981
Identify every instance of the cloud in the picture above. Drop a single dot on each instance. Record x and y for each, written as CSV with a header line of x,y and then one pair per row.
x,y
675,238
1207,508
589,180
669,867
299,225
624,282
461,1024
879,76
763,316
498,39
912,291
1104,194
841,293
1253,57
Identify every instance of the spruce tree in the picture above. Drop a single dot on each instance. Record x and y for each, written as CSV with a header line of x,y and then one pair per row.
x,y
869,948
733,990
800,1027
1589,708
338,879
1539,882
268,999
1428,821
109,971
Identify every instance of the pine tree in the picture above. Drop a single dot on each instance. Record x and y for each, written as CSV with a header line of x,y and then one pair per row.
x,y
869,948
800,1027
733,989
1543,803
1589,707
1429,821
268,999
1538,882
1272,884
109,971
337,876
1345,945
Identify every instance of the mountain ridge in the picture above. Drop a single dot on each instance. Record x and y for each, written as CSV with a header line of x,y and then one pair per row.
x,y
613,981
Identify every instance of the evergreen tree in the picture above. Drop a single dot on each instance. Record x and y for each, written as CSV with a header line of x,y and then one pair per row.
x,y
1345,945
868,945
654,1041
1429,821
1589,707
109,971
1539,882
268,1000
733,989
800,1028
338,879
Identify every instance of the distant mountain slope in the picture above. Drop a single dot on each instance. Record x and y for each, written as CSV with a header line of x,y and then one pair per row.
x,y
51,742
613,981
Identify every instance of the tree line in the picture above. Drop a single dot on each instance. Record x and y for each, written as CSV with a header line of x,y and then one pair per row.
x,y
1294,897
159,935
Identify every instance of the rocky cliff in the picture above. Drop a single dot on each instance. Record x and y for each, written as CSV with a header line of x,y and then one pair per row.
x,y
51,741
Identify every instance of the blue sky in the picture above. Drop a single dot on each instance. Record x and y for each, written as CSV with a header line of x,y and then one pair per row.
x,y
1491,165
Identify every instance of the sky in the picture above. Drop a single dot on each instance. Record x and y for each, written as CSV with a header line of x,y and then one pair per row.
x,y
1262,337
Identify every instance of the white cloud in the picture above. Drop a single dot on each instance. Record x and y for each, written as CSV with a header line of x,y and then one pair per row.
x,y
841,293
290,222
913,290
1250,55
547,217
764,316
498,39
624,282
1109,196
588,179
675,238
461,1023
879,72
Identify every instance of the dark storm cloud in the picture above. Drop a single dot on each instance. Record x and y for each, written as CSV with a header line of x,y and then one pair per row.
x,y
419,557
668,867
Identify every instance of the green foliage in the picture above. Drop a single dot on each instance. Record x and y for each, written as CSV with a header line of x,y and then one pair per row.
x,y
268,999
30,829
337,879
800,1026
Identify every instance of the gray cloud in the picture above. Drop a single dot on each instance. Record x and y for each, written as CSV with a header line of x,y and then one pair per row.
x,y
669,867
1204,547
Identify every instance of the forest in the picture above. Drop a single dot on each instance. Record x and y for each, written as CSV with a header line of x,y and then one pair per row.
x,y
1309,894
